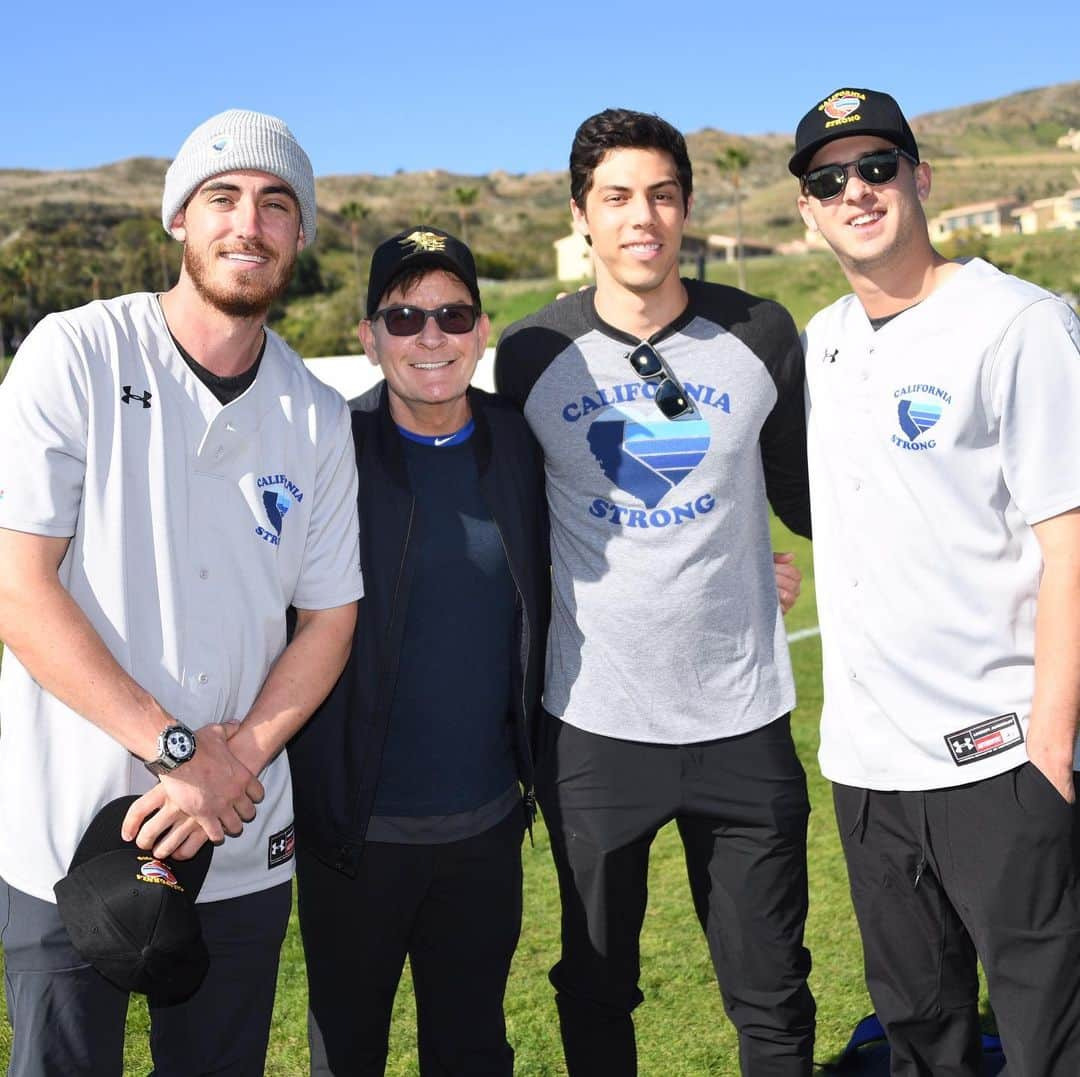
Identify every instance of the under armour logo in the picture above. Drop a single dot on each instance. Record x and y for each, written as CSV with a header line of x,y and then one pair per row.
x,y
129,396
830,355
281,847
964,745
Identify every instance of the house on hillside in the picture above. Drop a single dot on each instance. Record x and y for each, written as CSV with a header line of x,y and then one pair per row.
x,y
573,256
724,248
990,218
1060,213
812,241
1070,141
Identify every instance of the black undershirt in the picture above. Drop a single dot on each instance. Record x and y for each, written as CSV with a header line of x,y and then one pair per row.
x,y
877,323
225,389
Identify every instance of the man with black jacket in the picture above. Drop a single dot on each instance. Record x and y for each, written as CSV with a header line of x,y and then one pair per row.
x,y
408,781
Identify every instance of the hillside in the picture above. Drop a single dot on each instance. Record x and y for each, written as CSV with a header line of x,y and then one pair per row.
x,y
66,236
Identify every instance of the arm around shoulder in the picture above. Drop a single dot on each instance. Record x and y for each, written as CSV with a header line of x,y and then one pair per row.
x,y
783,435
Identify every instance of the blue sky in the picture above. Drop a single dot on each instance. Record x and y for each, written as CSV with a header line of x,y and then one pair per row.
x,y
483,86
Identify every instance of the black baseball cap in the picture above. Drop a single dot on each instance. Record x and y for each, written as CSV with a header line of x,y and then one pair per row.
x,y
845,113
419,247
132,915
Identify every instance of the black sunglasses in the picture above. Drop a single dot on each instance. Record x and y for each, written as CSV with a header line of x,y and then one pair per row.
x,y
874,168
670,397
408,321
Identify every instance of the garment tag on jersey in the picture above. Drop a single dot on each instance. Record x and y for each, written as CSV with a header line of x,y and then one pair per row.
x,y
985,739
281,847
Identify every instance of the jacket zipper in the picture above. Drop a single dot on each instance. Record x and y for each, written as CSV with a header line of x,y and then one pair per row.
x,y
390,627
530,792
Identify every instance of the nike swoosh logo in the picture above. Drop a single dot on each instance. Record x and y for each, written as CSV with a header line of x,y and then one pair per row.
x,y
443,441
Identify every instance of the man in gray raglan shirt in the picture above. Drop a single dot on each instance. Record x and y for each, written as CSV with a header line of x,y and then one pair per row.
x,y
670,413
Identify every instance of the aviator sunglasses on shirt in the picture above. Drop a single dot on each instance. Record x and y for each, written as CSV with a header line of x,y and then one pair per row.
x,y
670,397
875,168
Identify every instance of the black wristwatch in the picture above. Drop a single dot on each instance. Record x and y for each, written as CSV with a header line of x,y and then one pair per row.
x,y
175,745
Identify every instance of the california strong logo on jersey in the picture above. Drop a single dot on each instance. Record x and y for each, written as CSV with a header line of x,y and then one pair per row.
x,y
918,409
278,495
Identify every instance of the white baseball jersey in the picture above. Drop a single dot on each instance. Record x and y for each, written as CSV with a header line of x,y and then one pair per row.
x,y
193,526
934,445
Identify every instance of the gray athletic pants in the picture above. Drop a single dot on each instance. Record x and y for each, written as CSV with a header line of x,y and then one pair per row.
x,y
68,1020
942,876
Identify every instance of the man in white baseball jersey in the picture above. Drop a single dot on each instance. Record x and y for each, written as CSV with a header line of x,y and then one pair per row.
x,y
945,479
171,481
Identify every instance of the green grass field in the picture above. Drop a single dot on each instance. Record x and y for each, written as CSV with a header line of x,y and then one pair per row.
x,y
682,1030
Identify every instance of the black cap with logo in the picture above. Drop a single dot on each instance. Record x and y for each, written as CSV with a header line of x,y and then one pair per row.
x,y
419,247
845,113
131,915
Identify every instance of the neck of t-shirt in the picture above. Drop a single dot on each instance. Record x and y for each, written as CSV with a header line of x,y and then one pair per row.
x,y
225,389
878,323
640,315
439,441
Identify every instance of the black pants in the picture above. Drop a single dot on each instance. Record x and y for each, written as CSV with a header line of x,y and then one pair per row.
x,y
68,1020
741,808
997,866
455,910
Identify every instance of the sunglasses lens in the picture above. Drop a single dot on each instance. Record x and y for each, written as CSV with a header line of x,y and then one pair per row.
x,y
878,168
671,400
645,361
825,183
404,321
457,318
873,168
408,321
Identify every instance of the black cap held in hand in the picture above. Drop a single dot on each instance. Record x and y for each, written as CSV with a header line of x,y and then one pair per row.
x,y
131,915
419,247
844,114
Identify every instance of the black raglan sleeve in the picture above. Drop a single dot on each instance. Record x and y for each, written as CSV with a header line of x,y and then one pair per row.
x,y
511,377
528,347
783,435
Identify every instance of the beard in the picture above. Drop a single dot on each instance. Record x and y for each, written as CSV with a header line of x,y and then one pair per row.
x,y
239,298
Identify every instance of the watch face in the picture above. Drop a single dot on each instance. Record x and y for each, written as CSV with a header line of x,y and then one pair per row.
x,y
179,744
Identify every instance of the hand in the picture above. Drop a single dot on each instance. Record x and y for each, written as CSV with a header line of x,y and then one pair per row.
x,y
159,826
788,580
1055,767
214,791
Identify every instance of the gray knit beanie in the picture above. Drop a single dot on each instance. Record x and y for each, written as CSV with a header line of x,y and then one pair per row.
x,y
230,142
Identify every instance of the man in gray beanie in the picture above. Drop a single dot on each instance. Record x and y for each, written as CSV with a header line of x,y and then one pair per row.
x,y
172,479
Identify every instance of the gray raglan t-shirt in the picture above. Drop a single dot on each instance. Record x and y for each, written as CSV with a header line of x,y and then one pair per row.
x,y
665,622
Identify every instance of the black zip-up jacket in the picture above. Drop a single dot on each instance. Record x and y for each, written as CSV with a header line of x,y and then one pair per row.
x,y
336,756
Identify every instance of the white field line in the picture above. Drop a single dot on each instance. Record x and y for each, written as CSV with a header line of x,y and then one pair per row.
x,y
804,633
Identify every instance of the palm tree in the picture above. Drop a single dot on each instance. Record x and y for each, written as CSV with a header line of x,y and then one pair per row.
x,y
93,268
25,265
465,197
355,213
164,243
733,162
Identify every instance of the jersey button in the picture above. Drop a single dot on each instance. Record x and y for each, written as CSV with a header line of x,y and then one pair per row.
x,y
204,574
219,452
203,678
